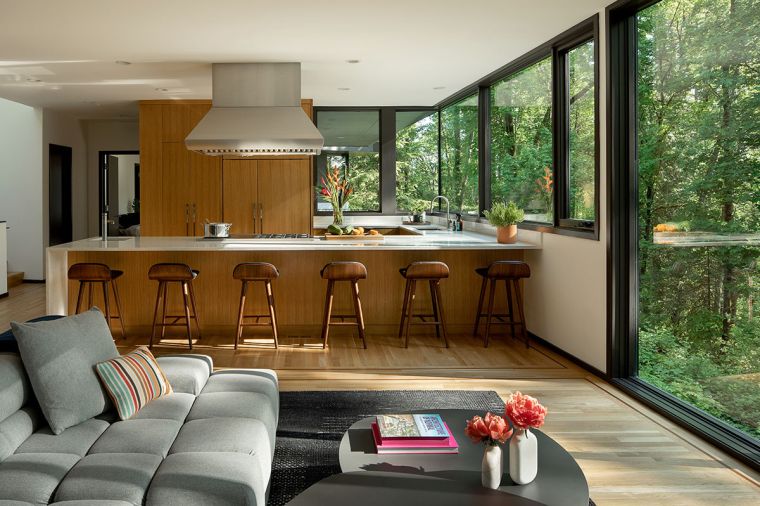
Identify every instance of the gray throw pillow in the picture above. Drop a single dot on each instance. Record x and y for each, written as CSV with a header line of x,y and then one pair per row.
x,y
59,357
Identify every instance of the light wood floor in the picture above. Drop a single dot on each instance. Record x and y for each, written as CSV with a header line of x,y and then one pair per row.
x,y
630,455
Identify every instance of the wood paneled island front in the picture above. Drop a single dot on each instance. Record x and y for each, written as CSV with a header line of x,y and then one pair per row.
x,y
299,291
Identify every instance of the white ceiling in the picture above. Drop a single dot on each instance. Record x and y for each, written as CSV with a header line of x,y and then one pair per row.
x,y
61,54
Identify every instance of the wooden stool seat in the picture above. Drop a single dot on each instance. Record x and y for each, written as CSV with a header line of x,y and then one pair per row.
x,y
509,271
433,273
89,274
255,271
343,271
182,274
249,273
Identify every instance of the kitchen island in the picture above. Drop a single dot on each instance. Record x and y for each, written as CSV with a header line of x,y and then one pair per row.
x,y
299,291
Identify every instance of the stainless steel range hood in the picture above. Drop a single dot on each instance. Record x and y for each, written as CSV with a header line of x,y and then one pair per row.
x,y
255,110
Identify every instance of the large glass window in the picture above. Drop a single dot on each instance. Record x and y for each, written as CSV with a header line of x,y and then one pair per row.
x,y
521,141
459,155
698,205
416,157
352,143
581,121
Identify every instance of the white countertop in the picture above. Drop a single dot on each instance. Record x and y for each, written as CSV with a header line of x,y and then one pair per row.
x,y
430,240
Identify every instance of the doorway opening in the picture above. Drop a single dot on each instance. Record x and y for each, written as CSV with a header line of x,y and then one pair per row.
x,y
119,196
60,228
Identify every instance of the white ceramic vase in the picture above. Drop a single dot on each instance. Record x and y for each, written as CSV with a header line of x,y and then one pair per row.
x,y
493,467
523,456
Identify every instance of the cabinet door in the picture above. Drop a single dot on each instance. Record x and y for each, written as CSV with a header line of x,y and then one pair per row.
x,y
204,178
179,119
285,190
176,190
240,204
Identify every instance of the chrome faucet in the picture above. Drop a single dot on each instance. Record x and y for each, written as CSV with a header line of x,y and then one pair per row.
x,y
448,214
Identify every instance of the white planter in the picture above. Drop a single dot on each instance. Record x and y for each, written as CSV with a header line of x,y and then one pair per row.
x,y
493,467
523,456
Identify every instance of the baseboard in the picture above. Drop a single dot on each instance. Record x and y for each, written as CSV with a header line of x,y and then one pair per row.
x,y
3,295
572,358
38,281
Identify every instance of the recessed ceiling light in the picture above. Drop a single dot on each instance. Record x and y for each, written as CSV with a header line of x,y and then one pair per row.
x,y
344,89
33,80
55,87
123,62
352,61
162,89
439,87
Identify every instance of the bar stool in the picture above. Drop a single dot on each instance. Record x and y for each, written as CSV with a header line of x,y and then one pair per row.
x,y
90,274
182,274
250,273
509,271
433,273
343,271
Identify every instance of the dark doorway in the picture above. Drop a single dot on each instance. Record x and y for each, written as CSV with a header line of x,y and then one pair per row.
x,y
59,190
120,195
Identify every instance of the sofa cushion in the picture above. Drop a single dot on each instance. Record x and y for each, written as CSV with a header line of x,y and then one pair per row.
x,y
236,405
88,502
15,429
33,477
59,357
170,407
261,381
208,479
15,389
138,436
75,440
186,373
122,477
237,435
133,380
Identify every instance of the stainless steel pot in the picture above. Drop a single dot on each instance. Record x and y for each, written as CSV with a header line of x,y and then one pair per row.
x,y
216,229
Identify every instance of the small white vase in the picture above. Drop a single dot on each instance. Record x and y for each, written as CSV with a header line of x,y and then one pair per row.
x,y
523,456
493,467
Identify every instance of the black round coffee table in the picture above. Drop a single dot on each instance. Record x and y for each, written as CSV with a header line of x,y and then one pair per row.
x,y
560,480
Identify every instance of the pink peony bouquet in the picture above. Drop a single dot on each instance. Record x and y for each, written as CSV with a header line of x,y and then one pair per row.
x,y
525,411
490,429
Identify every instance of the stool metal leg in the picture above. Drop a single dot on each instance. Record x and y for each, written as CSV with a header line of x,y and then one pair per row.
x,y
403,309
480,306
104,286
328,311
117,299
522,313
410,309
191,291
185,296
79,297
89,294
358,311
241,312
434,302
155,313
489,316
272,313
164,297
439,304
508,283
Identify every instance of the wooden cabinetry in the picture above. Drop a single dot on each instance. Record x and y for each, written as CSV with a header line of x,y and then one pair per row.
x,y
181,189
267,196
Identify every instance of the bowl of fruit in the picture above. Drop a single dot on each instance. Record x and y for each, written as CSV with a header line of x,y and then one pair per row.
x,y
349,232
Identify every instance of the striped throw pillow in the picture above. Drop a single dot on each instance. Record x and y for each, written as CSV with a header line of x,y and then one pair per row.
x,y
133,380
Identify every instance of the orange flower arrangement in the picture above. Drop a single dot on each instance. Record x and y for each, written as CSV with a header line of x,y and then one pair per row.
x,y
525,411
490,429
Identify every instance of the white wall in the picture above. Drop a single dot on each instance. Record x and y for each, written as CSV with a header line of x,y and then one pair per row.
x,y
566,296
126,181
21,186
64,130
105,135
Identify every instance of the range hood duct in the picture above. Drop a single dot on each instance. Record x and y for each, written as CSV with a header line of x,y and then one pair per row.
x,y
255,110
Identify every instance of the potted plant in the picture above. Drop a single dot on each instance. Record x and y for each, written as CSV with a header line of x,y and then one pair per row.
x,y
418,208
505,218
336,190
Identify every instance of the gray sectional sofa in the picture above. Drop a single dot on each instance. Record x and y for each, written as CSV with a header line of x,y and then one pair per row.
x,y
209,443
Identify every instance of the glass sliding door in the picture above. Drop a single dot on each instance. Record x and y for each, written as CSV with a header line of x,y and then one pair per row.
x,y
698,208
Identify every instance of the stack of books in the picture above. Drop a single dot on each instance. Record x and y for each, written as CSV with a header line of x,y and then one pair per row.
x,y
409,433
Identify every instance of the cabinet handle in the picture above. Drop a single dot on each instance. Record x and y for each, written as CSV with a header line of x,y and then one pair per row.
x,y
187,219
255,206
195,217
261,215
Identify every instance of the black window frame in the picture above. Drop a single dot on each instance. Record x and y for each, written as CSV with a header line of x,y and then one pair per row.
x,y
622,244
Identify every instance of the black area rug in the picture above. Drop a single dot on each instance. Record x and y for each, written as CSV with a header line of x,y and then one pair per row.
x,y
312,425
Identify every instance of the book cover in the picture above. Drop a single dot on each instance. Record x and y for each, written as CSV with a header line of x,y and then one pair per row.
x,y
403,426
414,445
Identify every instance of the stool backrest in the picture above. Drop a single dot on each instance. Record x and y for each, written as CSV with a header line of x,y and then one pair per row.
x,y
170,272
344,270
503,269
255,270
427,270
